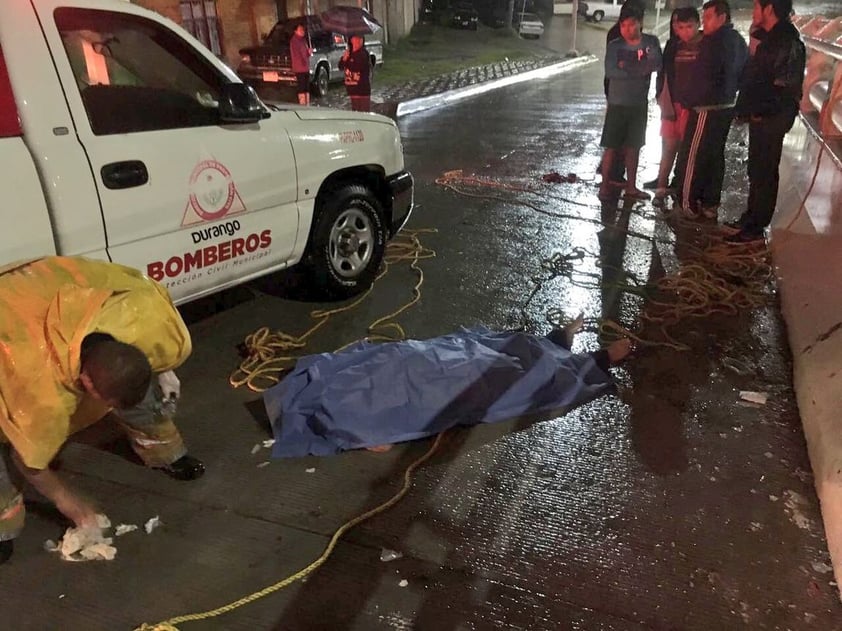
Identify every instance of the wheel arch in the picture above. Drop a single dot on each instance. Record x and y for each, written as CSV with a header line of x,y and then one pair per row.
x,y
371,176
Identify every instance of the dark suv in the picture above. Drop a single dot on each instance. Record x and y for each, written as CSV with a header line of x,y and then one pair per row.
x,y
270,63
463,15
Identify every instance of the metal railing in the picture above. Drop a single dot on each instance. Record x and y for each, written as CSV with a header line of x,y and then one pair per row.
x,y
823,78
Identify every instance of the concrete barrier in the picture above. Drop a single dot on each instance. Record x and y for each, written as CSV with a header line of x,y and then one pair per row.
x,y
807,253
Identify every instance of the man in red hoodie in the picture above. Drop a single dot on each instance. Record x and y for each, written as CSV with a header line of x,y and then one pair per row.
x,y
300,52
357,66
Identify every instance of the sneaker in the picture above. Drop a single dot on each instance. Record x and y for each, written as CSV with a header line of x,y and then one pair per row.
x,y
651,185
635,193
6,549
745,238
185,468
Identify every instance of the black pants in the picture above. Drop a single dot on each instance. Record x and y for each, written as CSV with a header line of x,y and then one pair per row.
x,y
701,159
765,142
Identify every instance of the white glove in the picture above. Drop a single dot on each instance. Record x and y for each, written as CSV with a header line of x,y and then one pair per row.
x,y
170,385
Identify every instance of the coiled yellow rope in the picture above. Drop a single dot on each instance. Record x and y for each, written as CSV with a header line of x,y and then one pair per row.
x,y
713,277
170,624
271,354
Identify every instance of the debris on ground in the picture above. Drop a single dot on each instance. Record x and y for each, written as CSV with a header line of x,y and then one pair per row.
x,y
310,470
754,397
255,449
387,555
268,443
123,529
265,463
554,177
403,583
85,543
152,524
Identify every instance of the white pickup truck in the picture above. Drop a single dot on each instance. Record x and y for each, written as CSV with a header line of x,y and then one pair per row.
x,y
123,138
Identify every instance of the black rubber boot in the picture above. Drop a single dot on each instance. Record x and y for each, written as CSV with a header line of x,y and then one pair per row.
x,y
6,549
185,468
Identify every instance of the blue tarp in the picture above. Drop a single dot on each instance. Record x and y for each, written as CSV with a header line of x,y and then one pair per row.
x,y
374,394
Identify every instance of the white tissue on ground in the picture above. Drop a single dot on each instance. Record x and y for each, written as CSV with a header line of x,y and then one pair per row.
x,y
387,555
152,524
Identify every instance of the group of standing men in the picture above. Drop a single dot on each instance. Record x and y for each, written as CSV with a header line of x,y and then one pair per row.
x,y
706,80
355,63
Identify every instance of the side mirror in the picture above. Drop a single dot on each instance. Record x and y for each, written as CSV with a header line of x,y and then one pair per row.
x,y
238,103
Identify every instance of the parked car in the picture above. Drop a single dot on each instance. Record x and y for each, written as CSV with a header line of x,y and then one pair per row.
x,y
270,63
430,10
122,139
464,15
598,10
528,25
565,7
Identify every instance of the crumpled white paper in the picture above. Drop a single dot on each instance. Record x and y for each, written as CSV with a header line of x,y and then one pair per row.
x,y
387,555
86,543
90,543
122,529
152,524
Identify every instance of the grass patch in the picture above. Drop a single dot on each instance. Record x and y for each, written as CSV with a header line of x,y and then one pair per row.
x,y
431,50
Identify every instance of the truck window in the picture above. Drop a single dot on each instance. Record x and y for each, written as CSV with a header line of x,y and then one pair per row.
x,y
135,75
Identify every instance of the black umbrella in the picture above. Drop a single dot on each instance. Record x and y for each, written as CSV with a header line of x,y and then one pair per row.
x,y
349,21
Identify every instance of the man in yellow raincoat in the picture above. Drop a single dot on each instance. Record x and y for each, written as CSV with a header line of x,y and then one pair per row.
x,y
80,338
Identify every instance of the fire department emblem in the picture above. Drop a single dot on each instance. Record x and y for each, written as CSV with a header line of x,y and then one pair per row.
x,y
213,194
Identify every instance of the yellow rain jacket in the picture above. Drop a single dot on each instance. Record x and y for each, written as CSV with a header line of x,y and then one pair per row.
x,y
47,307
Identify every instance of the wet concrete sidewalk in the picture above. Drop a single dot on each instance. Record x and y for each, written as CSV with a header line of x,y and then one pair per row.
x,y
670,507
385,100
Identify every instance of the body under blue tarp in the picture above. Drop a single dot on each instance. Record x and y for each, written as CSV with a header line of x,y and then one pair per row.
x,y
375,394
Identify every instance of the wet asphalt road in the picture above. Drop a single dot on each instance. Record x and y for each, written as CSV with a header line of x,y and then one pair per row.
x,y
670,506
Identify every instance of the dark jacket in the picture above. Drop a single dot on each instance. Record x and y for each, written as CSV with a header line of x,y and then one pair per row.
x,y
628,68
357,72
774,75
718,68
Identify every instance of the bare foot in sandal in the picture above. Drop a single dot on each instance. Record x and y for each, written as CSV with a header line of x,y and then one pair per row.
x,y
379,449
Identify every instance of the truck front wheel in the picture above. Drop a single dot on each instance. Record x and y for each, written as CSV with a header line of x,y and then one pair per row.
x,y
349,241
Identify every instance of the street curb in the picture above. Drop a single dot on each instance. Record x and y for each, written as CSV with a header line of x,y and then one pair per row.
x,y
413,106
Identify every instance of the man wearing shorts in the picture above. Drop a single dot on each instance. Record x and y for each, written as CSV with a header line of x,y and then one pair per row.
x,y
630,61
300,52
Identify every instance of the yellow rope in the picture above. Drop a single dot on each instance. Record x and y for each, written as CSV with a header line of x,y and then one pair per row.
x,y
714,277
271,354
170,624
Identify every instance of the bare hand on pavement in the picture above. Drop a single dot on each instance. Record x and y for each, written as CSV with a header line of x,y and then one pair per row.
x,y
76,509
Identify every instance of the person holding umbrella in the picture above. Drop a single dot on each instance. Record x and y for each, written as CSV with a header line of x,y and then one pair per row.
x,y
299,53
357,67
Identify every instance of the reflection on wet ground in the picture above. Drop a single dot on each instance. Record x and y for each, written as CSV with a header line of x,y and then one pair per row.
x,y
677,496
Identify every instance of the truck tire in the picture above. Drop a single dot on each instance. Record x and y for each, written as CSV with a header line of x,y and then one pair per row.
x,y
320,81
598,15
348,241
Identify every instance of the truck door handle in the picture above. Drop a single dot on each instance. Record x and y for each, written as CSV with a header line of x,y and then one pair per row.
x,y
124,174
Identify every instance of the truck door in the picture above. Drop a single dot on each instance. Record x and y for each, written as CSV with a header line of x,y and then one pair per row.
x,y
195,204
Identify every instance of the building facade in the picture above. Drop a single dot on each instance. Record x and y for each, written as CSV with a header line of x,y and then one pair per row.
x,y
226,26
